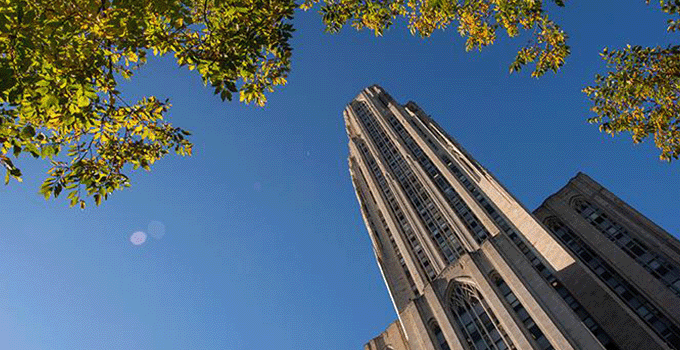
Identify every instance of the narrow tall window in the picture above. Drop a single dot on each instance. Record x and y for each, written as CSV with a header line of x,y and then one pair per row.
x,y
437,227
522,314
637,302
439,337
536,261
657,265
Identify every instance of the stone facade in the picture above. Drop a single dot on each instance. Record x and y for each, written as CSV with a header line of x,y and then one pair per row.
x,y
466,265
635,262
392,338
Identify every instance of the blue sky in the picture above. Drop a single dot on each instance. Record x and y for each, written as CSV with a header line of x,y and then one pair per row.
x,y
264,247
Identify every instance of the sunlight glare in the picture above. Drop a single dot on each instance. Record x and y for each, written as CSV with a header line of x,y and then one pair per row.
x,y
138,238
156,229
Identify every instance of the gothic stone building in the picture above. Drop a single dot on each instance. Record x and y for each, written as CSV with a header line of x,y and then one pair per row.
x,y
468,267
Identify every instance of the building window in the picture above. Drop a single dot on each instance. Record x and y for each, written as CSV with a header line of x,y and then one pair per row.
x,y
379,177
521,313
462,210
477,323
658,266
439,339
649,313
533,257
449,247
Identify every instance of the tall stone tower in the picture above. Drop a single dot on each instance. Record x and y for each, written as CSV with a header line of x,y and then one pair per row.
x,y
466,265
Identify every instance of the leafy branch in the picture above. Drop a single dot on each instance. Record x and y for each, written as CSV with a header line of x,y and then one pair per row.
x,y
61,62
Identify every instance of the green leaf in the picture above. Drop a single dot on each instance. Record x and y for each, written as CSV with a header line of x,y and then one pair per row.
x,y
47,151
33,149
27,132
57,190
83,101
48,101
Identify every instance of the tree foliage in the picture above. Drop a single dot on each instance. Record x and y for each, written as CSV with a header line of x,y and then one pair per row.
x,y
477,20
640,94
61,61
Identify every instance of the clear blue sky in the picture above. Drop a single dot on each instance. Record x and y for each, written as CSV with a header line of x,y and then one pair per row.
x,y
264,246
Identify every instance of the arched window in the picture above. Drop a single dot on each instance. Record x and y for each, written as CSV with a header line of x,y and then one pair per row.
x,y
476,321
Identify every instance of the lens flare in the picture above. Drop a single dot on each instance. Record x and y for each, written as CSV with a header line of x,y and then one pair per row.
x,y
156,229
138,238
